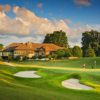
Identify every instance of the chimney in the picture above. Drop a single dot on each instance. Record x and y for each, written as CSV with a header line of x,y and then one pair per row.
x,y
29,44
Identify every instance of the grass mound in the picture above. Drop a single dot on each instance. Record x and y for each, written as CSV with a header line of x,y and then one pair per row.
x,y
48,87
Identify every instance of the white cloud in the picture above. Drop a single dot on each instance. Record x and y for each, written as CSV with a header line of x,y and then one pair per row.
x,y
27,23
8,39
12,26
72,44
40,25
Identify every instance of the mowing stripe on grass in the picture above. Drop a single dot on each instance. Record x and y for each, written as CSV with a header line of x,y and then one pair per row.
x,y
60,68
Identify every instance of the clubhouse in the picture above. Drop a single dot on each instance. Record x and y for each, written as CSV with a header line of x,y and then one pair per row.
x,y
29,49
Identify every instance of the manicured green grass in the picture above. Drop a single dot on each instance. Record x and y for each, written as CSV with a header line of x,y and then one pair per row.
x,y
49,87
73,63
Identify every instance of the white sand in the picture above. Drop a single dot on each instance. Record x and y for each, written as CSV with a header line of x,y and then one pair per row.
x,y
27,74
74,84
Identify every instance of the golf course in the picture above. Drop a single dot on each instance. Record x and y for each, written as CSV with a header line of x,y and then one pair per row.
x,y
49,85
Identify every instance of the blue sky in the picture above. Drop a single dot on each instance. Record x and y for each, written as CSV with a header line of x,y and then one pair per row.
x,y
61,9
75,13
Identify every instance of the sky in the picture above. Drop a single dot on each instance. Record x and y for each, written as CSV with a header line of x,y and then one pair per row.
x,y
31,20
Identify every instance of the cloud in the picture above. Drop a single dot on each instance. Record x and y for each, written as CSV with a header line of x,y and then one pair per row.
x,y
72,44
82,2
5,8
68,21
39,5
38,24
75,32
77,24
8,39
26,23
12,26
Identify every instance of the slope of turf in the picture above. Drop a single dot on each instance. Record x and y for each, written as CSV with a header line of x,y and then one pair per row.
x,y
73,63
49,86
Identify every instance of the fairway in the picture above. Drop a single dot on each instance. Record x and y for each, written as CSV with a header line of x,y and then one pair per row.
x,y
49,86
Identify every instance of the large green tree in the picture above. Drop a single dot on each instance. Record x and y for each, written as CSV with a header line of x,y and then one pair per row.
x,y
77,51
1,46
57,37
91,38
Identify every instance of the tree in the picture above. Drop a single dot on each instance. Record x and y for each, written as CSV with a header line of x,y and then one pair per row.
x,y
60,53
68,53
57,37
1,46
99,51
10,58
49,56
95,46
77,51
18,58
54,56
91,38
89,52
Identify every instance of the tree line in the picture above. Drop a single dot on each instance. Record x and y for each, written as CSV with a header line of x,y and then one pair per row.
x,y
90,44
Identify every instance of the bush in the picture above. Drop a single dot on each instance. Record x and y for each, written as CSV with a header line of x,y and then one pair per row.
x,y
54,56
24,58
40,56
77,51
17,58
60,53
68,53
34,57
0,58
10,58
90,52
49,56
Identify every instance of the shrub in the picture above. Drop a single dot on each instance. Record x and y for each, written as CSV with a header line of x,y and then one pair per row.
x,y
54,56
40,56
77,51
10,58
49,56
17,58
90,52
68,53
34,57
24,58
0,58
60,53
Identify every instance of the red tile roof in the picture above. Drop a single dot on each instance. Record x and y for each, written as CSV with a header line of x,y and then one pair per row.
x,y
34,46
11,45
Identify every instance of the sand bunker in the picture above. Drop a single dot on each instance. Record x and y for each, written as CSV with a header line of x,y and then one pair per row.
x,y
27,74
74,84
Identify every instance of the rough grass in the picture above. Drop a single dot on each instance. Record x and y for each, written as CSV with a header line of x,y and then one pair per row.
x,y
49,86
